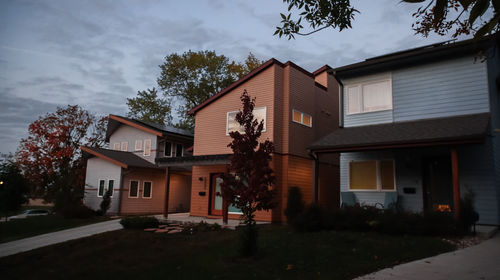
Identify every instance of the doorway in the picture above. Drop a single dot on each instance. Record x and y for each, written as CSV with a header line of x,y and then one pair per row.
x,y
437,182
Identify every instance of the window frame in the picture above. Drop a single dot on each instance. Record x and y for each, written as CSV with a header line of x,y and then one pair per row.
x,y
117,146
302,118
99,186
176,149
124,144
378,173
113,190
150,191
359,83
137,142
165,149
256,108
148,150
130,187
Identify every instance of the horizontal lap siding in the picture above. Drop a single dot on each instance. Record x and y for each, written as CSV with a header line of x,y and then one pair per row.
x,y
180,193
449,88
140,205
328,185
100,169
300,174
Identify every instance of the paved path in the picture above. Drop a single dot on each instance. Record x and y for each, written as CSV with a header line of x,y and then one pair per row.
x,y
27,244
477,262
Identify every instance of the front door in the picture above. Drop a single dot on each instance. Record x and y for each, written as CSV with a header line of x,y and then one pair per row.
x,y
215,190
438,187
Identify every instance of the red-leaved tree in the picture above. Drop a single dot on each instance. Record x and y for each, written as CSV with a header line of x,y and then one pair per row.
x,y
50,156
248,184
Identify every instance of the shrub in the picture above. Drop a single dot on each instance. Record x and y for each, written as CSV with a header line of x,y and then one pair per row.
x,y
355,217
105,203
139,222
310,219
200,227
468,215
78,211
294,204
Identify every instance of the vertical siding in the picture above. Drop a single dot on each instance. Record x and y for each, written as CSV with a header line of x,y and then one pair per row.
x,y
441,89
100,169
129,134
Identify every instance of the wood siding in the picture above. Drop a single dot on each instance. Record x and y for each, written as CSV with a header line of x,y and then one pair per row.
x,y
140,205
98,169
179,198
129,134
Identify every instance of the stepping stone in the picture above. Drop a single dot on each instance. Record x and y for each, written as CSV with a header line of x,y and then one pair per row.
x,y
175,231
162,226
161,231
150,229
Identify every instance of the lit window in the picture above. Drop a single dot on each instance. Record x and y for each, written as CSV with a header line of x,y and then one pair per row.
x,y
371,175
110,187
302,118
168,149
116,146
147,147
232,125
133,190
147,190
369,96
100,191
138,145
124,146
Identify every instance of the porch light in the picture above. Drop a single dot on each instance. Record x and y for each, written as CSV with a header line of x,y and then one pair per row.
x,y
444,208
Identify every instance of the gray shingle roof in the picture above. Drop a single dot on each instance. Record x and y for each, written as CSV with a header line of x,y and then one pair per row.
x,y
127,158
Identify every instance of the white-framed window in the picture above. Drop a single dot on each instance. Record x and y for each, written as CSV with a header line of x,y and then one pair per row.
x,y
301,118
168,149
259,114
372,175
116,146
100,187
124,146
111,184
147,147
179,150
371,95
133,190
147,189
138,145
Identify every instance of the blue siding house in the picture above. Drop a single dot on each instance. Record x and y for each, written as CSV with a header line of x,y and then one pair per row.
x,y
422,125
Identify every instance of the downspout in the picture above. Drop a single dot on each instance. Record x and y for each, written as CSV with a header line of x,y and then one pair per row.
x,y
315,157
341,99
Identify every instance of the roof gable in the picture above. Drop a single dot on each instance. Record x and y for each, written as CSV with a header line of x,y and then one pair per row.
x,y
115,121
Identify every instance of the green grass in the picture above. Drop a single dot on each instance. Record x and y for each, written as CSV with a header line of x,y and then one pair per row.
x,y
22,228
129,254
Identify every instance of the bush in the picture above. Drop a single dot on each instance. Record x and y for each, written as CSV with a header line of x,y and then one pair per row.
x,y
105,203
78,211
200,227
310,219
139,222
294,205
468,215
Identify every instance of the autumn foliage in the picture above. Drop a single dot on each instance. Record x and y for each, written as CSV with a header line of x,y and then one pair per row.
x,y
50,156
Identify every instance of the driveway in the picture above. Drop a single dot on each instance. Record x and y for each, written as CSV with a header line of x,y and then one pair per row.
x,y
27,244
477,262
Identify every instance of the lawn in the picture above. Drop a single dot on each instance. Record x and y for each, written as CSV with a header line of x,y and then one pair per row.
x,y
129,254
22,228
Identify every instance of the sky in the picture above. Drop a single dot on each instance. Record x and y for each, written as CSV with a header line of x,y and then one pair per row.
x,y
99,53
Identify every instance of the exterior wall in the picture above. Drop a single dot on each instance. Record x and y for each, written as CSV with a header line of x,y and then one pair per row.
x,y
140,205
328,185
210,123
129,134
322,79
180,193
160,151
99,169
441,89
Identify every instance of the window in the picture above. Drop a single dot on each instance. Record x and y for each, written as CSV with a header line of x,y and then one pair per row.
x,y
369,96
147,189
124,146
168,149
100,190
110,186
133,190
147,147
116,146
179,150
138,145
302,118
232,125
373,175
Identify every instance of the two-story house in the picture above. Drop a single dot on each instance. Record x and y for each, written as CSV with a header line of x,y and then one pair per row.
x,y
423,124
298,107
129,168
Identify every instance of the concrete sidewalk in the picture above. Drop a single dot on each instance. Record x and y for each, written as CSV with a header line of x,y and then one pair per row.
x,y
27,244
481,261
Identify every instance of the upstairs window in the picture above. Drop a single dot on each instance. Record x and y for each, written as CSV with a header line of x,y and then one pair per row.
x,y
232,125
302,118
124,146
179,150
369,96
116,146
147,147
168,149
138,145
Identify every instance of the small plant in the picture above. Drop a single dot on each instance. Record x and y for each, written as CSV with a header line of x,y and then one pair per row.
x,y
294,205
105,203
311,219
139,222
468,215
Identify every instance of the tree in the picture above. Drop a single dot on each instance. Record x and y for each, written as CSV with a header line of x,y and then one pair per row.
x,y
192,77
248,185
50,157
147,106
438,16
13,187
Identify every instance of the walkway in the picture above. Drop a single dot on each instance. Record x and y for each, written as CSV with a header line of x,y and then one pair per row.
x,y
476,262
27,244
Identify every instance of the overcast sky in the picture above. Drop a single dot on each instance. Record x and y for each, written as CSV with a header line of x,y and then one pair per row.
x,y
98,53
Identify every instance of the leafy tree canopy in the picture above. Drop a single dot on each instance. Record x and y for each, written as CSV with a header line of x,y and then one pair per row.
x,y
438,16
13,186
147,106
190,78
